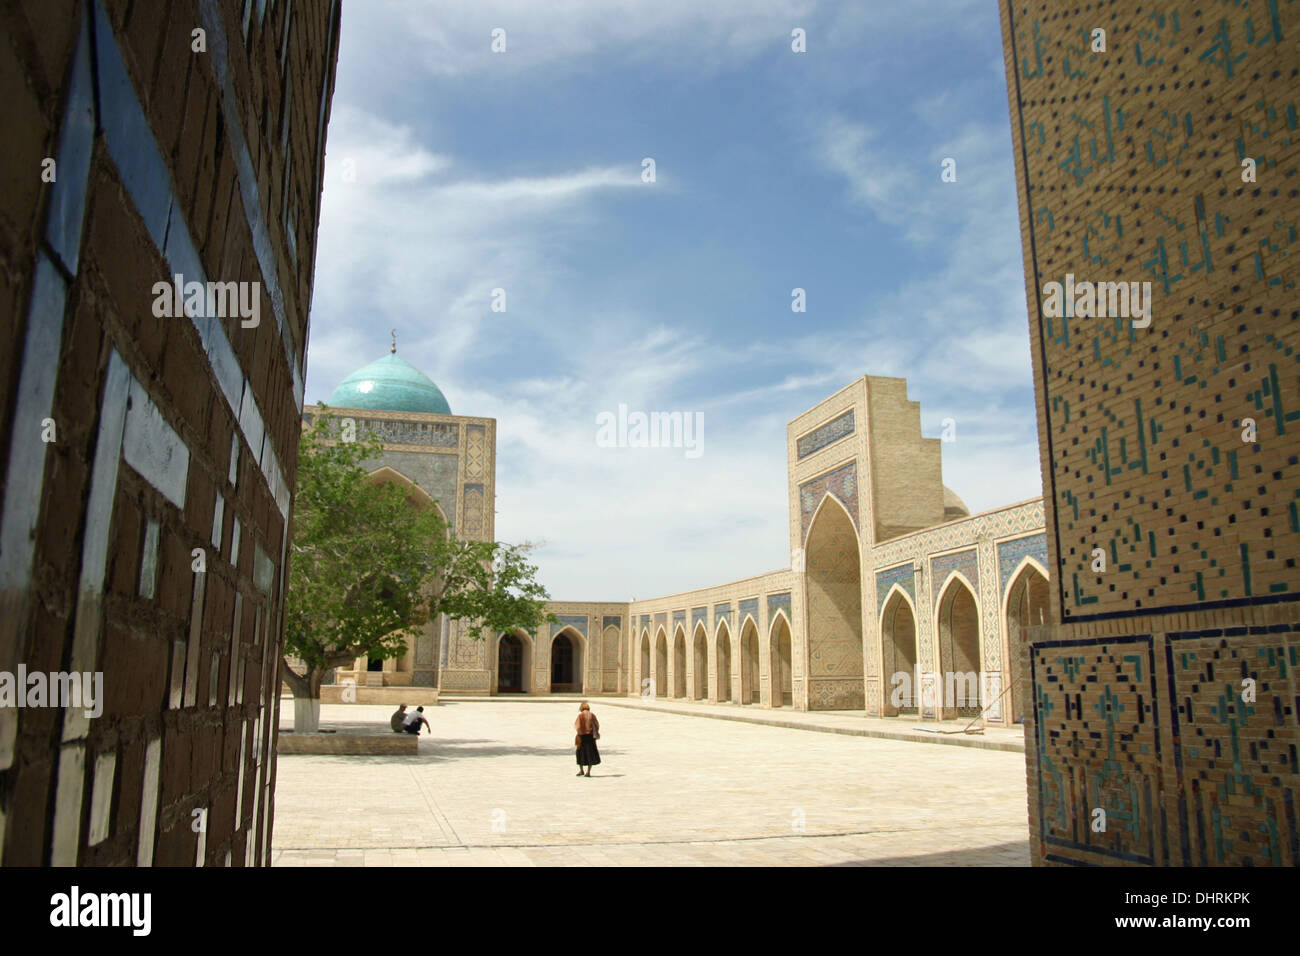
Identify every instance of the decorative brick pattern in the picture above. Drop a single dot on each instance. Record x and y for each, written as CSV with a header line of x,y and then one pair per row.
x,y
1130,168
174,434
829,433
842,483
1096,716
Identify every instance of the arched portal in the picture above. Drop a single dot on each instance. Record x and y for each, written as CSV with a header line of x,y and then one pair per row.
x,y
898,654
724,663
514,662
782,677
1028,604
611,663
750,685
959,650
566,662
643,675
834,606
661,664
701,664
679,663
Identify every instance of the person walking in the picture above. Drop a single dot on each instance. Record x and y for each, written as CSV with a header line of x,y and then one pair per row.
x,y
588,728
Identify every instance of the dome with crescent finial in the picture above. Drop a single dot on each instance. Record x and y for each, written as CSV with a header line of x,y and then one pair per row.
x,y
390,384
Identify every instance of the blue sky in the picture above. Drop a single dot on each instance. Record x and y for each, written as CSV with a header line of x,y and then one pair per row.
x,y
521,170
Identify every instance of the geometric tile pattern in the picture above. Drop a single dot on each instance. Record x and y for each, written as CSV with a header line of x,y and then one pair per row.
x,y
842,483
1011,553
1237,757
775,603
699,615
904,576
1096,721
819,438
1144,426
965,562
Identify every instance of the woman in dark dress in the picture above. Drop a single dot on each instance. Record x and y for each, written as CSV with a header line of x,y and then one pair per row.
x,y
588,728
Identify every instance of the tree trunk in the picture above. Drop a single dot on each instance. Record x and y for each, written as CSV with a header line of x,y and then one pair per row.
x,y
306,697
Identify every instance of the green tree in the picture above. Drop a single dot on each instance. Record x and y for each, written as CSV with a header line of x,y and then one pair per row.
x,y
370,564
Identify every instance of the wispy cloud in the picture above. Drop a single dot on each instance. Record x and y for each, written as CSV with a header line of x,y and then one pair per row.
x,y
624,293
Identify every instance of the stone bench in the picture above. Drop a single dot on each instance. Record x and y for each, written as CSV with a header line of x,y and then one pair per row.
x,y
350,744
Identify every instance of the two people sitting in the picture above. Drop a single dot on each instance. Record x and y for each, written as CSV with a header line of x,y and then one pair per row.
x,y
402,722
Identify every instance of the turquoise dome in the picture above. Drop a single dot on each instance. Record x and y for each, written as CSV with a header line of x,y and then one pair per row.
x,y
390,384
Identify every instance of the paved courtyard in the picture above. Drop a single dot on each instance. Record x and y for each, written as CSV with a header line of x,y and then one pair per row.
x,y
496,785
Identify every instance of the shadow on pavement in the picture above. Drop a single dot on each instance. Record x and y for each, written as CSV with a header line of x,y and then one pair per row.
x,y
1002,854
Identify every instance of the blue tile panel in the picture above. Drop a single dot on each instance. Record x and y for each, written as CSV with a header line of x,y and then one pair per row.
x,y
904,576
72,164
722,612
967,562
778,602
831,432
134,151
612,620
749,606
576,621
1010,554
699,615
679,618
842,483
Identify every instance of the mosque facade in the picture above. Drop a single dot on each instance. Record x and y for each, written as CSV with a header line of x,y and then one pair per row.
x,y
897,601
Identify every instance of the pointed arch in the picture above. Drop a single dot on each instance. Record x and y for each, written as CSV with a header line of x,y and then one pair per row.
x,y
1026,603
512,657
750,682
678,670
722,654
417,496
660,665
827,497
957,633
781,672
643,662
567,671
897,626
610,658
833,608
700,663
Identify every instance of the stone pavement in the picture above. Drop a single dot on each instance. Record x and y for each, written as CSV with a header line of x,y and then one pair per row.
x,y
845,722
495,786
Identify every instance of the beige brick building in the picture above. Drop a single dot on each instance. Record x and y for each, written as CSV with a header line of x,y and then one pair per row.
x,y
1159,144
149,451
897,601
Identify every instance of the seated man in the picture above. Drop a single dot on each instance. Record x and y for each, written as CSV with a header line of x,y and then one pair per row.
x,y
398,719
415,720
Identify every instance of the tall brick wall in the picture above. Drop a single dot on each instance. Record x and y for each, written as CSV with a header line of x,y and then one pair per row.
x,y
174,439
1164,695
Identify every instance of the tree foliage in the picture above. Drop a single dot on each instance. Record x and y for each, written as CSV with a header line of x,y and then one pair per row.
x,y
372,562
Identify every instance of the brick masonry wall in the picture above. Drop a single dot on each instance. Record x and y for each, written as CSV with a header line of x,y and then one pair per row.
x,y
175,437
1164,690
